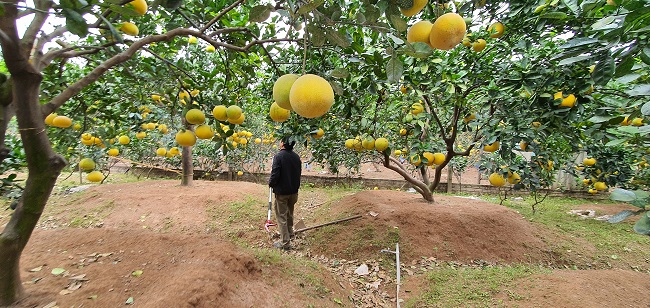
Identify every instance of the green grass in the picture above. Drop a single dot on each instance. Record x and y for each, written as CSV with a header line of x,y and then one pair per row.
x,y
614,244
234,218
83,219
453,286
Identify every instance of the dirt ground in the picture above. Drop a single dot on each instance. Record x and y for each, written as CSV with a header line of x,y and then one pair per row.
x,y
154,243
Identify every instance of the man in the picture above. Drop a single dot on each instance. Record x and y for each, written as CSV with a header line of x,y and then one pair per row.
x,y
285,181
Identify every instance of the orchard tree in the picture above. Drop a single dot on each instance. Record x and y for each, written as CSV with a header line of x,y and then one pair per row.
x,y
102,36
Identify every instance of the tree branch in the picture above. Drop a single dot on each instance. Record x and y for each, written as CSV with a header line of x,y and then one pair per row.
x,y
40,15
223,12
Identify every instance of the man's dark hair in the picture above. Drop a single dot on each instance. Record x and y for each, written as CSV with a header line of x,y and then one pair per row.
x,y
288,143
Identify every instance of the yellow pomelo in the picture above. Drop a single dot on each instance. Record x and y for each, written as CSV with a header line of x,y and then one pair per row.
x,y
419,32
195,116
233,112
416,160
523,145
141,135
192,40
282,88
418,5
239,120
86,164
637,122
139,6
76,126
381,144
174,151
95,176
398,152
447,31
124,140
320,133
185,138
568,101
600,186
349,143
90,141
151,126
430,158
210,48
491,147
258,140
514,178
62,122
219,112
240,173
129,28
311,96
368,143
113,152
496,30
279,114
195,92
417,108
479,45
402,131
204,131
496,179
50,118
161,152
438,158
589,161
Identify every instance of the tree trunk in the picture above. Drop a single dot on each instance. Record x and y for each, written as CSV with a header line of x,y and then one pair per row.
x,y
188,168
450,179
43,167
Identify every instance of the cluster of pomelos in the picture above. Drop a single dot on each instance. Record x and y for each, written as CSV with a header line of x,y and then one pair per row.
x,y
309,96
367,143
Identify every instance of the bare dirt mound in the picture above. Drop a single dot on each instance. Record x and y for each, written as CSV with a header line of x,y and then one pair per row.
x,y
177,270
452,228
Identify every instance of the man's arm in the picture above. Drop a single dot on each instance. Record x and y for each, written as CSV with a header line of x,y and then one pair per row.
x,y
275,172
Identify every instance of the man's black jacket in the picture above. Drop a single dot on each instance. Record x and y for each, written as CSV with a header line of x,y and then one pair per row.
x,y
285,173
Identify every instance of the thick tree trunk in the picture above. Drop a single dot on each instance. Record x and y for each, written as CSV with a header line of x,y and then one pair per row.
x,y
43,165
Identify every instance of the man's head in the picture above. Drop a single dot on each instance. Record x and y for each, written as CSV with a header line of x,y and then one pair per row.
x,y
287,143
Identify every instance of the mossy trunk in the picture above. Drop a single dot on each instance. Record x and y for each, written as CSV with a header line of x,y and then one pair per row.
x,y
43,167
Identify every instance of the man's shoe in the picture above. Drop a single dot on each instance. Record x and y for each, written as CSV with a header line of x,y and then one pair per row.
x,y
279,245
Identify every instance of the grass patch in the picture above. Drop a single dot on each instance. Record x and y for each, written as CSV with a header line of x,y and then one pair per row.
x,y
452,286
88,220
235,219
615,245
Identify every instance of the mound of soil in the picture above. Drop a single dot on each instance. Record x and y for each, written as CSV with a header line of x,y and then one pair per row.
x,y
452,228
181,239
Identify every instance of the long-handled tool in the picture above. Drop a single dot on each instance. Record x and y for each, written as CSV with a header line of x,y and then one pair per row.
x,y
269,223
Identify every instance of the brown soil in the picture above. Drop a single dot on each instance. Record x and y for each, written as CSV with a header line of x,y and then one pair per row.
x,y
204,246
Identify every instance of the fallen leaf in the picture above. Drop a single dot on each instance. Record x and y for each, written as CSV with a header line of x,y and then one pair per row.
x,y
36,269
51,305
137,273
75,285
81,277
58,271
65,292
92,296
129,301
374,214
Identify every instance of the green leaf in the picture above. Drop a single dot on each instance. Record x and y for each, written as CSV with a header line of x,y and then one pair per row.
x,y
310,7
640,90
399,23
338,38
340,73
642,226
116,34
645,55
604,70
645,109
574,59
578,42
417,50
604,23
394,70
124,11
129,301
75,22
57,271
137,273
318,37
260,13
624,67
554,15
572,5
624,195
